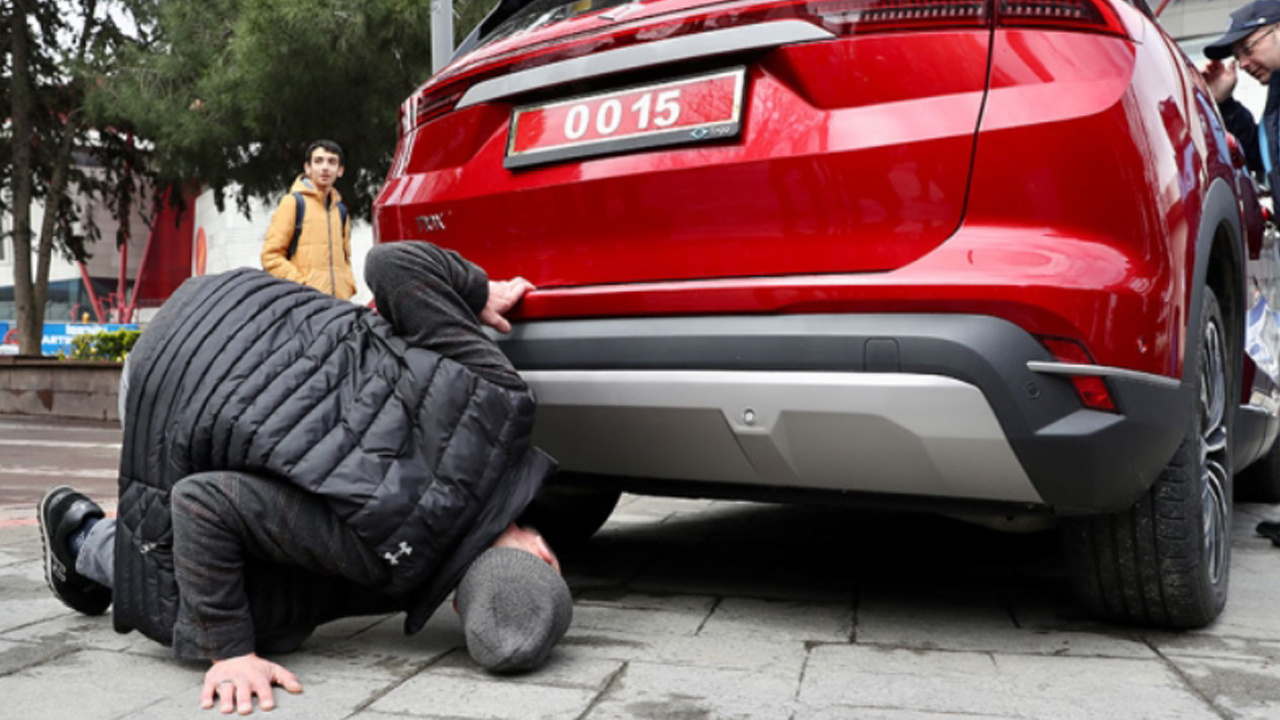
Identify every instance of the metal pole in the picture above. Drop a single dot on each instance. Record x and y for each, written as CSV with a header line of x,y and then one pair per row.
x,y
124,246
441,33
127,314
93,296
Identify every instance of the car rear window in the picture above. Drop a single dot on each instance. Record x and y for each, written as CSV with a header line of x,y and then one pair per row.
x,y
541,13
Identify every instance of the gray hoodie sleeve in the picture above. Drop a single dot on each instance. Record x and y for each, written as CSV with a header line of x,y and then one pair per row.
x,y
432,297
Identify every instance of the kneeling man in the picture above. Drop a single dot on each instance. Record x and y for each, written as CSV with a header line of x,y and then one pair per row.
x,y
290,458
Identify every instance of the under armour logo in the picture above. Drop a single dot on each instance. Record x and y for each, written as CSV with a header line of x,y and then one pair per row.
x,y
394,558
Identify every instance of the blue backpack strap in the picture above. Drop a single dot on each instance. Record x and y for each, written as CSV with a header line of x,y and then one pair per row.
x,y
297,225
1264,148
342,211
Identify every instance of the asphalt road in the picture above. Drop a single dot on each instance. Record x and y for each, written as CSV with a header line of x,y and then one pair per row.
x,y
36,454
689,609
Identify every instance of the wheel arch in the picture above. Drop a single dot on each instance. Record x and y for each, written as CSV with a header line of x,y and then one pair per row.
x,y
1219,264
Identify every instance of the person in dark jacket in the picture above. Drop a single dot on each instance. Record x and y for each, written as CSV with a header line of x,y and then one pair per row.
x,y
1252,41
290,458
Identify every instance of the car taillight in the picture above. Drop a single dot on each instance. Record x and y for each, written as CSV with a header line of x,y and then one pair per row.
x,y
853,17
1091,389
1087,15
427,105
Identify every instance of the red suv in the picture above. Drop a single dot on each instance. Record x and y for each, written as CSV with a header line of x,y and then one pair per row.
x,y
981,257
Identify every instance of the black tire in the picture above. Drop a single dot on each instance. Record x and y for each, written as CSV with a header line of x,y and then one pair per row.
x,y
1165,562
568,514
1260,482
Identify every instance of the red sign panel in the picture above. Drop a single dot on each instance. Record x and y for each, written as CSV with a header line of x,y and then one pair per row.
x,y
706,107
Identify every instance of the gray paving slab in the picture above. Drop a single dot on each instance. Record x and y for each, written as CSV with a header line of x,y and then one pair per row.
x,y
844,713
323,697
1239,689
925,618
1210,646
650,691
380,651
1255,587
72,628
622,597
24,597
19,656
779,621
431,695
93,684
729,653
566,667
997,685
644,621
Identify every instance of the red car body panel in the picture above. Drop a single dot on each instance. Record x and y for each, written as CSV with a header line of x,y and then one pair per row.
x,y
849,193
821,177
1050,177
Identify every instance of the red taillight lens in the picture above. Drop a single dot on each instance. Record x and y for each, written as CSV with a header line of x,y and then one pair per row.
x,y
1091,389
426,106
852,17
1088,15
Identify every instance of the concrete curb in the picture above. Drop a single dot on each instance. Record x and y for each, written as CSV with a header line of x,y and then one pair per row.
x,y
59,388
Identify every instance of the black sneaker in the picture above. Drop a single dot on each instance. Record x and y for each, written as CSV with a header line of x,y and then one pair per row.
x,y
61,512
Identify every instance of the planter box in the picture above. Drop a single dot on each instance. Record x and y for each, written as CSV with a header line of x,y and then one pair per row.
x,y
59,388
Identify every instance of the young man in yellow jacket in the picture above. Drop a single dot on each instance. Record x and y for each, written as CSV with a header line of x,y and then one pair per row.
x,y
309,240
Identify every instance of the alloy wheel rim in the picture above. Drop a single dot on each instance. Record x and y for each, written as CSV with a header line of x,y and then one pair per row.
x,y
1213,451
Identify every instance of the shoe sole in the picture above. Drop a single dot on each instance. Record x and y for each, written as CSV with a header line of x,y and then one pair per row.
x,y
46,541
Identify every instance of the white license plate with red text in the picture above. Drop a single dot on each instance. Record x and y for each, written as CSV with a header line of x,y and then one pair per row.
x,y
690,110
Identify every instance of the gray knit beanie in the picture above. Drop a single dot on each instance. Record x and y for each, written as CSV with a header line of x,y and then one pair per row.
x,y
514,608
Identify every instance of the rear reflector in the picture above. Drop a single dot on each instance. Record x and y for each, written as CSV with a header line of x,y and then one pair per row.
x,y
1091,389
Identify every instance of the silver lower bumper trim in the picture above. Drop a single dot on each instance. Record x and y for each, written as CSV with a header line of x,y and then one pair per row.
x,y
873,432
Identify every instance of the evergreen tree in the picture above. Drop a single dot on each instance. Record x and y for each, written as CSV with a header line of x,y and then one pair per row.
x,y
223,93
230,92
51,49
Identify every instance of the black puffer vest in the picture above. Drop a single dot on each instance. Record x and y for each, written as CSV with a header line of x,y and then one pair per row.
x,y
244,372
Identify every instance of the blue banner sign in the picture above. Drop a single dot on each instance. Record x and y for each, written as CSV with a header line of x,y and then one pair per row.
x,y
56,336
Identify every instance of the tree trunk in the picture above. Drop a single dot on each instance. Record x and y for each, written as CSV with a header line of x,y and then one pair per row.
x,y
30,316
30,294
53,200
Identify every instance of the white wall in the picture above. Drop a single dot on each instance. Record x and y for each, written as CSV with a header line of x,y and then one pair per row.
x,y
105,262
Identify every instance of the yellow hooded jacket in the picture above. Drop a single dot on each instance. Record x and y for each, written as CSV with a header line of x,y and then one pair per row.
x,y
323,259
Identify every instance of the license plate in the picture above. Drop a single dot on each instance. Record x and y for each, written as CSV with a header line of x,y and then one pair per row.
x,y
689,110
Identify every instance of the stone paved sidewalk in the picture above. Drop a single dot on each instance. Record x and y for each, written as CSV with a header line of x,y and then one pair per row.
x,y
695,609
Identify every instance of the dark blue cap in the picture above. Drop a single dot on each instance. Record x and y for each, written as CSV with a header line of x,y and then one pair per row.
x,y
1244,21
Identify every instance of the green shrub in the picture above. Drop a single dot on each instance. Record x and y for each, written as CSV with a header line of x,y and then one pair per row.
x,y
104,345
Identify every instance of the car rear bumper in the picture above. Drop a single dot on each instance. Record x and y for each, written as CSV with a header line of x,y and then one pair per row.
x,y
928,405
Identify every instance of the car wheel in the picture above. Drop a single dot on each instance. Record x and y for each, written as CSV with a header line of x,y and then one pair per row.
x,y
1260,482
568,514
1165,561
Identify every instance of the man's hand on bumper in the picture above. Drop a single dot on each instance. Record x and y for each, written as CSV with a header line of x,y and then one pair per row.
x,y
503,296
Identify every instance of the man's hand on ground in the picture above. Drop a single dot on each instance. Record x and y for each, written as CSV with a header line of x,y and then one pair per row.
x,y
236,680
503,296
